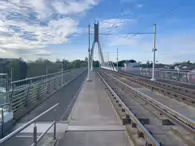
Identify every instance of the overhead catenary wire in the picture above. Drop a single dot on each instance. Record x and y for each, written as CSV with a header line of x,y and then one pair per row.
x,y
161,16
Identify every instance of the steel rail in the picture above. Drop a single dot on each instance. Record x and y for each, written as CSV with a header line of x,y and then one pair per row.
x,y
132,116
182,120
161,88
163,84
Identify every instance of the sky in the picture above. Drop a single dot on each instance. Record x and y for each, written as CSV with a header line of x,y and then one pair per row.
x,y
54,29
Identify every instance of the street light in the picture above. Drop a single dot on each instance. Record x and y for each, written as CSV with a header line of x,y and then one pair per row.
x,y
154,51
117,59
89,55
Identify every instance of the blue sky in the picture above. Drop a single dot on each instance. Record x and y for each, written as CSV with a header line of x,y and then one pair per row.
x,y
54,29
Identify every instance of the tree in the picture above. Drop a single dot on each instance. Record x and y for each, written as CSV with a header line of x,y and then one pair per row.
x,y
189,62
21,69
148,63
132,61
66,64
96,63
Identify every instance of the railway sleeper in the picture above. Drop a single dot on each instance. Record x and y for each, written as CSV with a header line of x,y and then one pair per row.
x,y
126,120
167,122
162,90
133,134
144,121
187,137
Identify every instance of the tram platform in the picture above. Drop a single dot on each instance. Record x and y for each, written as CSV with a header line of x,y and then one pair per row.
x,y
93,120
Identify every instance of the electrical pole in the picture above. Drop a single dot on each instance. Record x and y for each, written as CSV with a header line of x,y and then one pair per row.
x,y
117,59
108,61
89,56
154,50
46,71
11,79
62,72
108,56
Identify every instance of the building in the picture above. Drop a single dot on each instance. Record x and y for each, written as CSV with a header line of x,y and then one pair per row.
x,y
130,65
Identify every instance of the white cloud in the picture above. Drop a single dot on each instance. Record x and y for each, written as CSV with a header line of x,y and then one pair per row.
x,y
107,25
123,40
33,24
171,48
72,7
3,51
139,5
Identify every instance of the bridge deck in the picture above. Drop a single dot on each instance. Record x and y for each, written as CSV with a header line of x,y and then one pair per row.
x,y
93,120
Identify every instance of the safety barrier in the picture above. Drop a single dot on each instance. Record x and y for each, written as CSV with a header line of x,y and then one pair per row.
x,y
182,76
28,91
36,139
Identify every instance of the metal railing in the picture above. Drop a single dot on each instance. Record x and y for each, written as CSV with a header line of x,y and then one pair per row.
x,y
36,79
36,139
22,95
182,76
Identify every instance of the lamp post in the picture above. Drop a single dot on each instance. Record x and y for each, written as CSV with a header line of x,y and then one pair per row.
x,y
154,51
89,56
117,59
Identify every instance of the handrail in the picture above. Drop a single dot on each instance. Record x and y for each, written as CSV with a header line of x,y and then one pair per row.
x,y
41,136
6,138
31,78
24,87
5,104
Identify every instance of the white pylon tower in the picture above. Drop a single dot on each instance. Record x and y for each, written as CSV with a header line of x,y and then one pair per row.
x,y
96,40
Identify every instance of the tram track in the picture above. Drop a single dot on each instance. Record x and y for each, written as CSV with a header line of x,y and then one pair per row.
x,y
179,93
150,114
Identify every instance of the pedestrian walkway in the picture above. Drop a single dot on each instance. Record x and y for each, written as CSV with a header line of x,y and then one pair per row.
x,y
93,120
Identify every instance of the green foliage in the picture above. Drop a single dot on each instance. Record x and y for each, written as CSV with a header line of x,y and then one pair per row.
x,y
18,68
21,69
96,63
78,63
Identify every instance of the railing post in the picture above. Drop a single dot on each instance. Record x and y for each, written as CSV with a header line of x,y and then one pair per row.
x,y
27,92
54,83
2,123
54,130
35,134
186,77
48,87
54,126
10,99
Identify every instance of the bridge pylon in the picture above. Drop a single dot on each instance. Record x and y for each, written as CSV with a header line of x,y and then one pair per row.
x,y
96,40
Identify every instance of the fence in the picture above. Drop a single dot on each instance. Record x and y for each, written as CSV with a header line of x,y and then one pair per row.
x,y
28,91
182,76
36,138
